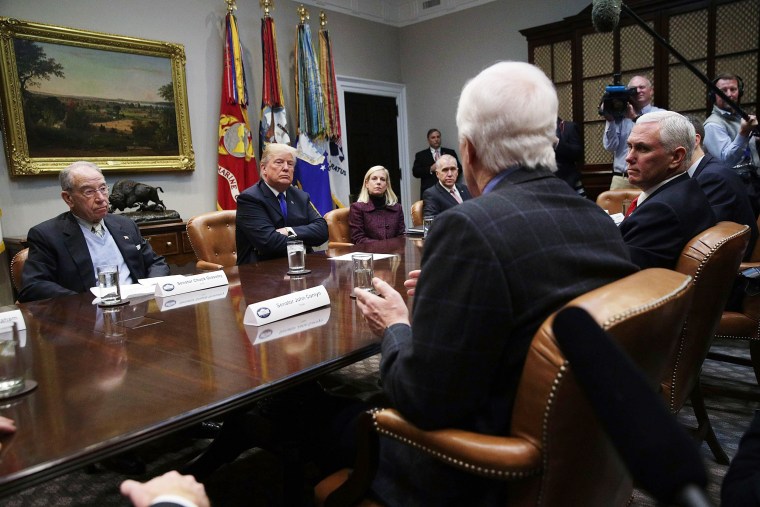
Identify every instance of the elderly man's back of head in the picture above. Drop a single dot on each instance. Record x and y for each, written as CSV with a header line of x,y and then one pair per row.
x,y
508,112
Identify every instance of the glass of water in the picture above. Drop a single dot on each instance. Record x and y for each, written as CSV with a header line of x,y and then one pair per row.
x,y
427,223
296,256
363,271
11,364
108,283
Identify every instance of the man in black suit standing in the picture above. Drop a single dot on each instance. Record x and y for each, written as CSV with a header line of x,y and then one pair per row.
x,y
671,208
424,161
723,188
484,290
64,251
447,192
273,211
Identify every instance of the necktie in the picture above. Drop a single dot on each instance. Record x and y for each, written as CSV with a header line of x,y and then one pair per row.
x,y
436,155
455,195
283,206
98,230
631,207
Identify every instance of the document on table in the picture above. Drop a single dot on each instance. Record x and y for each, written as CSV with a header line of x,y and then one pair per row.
x,y
375,256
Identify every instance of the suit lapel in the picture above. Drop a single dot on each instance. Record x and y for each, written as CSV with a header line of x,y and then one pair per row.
x,y
701,166
77,247
271,198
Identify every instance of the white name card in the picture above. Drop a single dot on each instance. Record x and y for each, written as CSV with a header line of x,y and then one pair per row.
x,y
191,283
282,307
191,298
286,327
8,318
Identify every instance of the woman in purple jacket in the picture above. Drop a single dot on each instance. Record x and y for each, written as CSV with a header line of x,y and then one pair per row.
x,y
377,213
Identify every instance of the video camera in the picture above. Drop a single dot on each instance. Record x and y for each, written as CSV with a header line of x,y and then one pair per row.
x,y
616,99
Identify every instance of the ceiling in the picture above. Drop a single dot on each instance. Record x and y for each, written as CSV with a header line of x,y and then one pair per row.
x,y
396,12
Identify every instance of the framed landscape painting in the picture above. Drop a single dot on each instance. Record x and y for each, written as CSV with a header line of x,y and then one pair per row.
x,y
68,94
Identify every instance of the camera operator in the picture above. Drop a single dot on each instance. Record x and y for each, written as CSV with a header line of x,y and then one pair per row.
x,y
728,136
617,130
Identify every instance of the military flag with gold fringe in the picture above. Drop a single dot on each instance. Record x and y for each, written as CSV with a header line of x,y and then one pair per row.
x,y
273,125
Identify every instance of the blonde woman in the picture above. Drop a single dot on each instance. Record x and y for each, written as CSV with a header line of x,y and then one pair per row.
x,y
377,213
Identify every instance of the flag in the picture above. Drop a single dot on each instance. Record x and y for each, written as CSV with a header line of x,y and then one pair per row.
x,y
273,121
236,162
339,182
312,173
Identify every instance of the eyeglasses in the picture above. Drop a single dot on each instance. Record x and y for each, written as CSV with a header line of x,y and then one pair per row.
x,y
90,192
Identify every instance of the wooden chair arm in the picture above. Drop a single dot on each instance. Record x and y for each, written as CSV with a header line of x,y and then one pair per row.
x,y
488,455
207,266
337,244
747,265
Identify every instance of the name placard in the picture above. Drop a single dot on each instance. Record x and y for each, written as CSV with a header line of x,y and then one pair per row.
x,y
191,283
8,318
191,298
287,327
282,307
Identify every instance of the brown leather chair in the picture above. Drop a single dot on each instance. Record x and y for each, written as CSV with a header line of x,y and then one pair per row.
x,y
417,208
612,200
711,258
212,236
555,453
17,267
744,323
339,233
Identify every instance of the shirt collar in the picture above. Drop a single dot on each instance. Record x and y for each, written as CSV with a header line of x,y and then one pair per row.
x,y
693,167
644,195
274,191
496,179
87,224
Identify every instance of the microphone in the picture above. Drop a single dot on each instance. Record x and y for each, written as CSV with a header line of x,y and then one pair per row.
x,y
605,14
660,455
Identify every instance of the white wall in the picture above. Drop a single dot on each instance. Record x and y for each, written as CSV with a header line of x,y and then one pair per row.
x,y
433,59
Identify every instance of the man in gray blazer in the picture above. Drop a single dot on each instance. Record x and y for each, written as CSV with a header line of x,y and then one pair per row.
x,y
447,193
525,244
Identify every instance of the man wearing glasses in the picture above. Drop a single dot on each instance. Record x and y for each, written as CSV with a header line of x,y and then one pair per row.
x,y
64,251
448,192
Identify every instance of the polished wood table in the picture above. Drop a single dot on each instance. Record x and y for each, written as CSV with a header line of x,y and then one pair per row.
x,y
110,380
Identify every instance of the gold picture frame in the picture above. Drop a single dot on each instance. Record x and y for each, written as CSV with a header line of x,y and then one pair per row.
x,y
68,94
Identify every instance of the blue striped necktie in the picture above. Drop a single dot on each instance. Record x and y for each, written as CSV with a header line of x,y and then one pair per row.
x,y
283,205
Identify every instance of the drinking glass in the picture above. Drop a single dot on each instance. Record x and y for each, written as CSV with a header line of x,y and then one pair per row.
x,y
296,256
108,282
363,271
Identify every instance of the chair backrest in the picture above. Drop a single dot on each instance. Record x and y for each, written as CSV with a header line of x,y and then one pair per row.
x,y
712,259
339,233
755,257
417,213
612,200
644,313
212,236
17,267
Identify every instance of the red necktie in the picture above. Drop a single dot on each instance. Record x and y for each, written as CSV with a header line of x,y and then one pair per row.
x,y
631,207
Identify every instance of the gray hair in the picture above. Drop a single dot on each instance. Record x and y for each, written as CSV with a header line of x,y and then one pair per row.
x,y
675,132
508,112
445,161
64,177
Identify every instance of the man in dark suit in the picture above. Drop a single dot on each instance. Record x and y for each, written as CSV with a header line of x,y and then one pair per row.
x,y
424,160
64,250
723,188
671,208
524,245
273,211
447,193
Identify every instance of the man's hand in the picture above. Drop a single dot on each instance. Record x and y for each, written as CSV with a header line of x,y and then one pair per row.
x,y
411,282
171,483
383,310
631,113
283,231
7,425
747,126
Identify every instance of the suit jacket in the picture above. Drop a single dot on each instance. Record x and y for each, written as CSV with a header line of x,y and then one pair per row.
x,y
368,223
741,485
660,227
727,195
259,216
437,199
421,168
520,252
59,262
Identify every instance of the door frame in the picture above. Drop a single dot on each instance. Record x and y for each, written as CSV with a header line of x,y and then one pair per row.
x,y
384,89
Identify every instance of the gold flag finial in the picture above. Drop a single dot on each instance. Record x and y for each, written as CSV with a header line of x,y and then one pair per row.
x,y
303,14
322,20
267,5
230,6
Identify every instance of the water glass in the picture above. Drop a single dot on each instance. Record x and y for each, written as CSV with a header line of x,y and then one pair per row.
x,y
363,271
108,282
11,364
296,256
427,223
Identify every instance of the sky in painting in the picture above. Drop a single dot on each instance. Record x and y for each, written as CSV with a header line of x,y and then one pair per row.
x,y
105,74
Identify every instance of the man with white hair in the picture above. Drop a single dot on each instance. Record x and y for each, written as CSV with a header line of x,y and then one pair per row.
x,y
273,211
483,292
447,192
671,208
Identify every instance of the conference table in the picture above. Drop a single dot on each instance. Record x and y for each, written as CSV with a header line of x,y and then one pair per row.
x,y
112,379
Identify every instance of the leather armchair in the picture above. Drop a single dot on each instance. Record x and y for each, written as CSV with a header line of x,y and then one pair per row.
x,y
17,267
339,232
555,452
612,200
212,236
417,207
711,258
